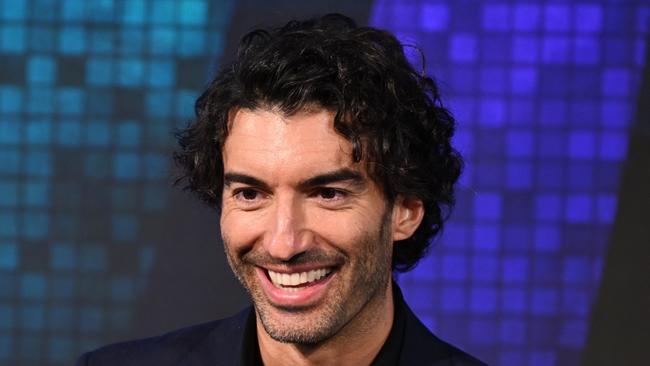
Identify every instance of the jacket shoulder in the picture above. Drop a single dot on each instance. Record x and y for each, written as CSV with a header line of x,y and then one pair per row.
x,y
201,342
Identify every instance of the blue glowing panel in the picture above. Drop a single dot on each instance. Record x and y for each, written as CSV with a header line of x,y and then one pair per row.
x,y
9,256
90,92
543,93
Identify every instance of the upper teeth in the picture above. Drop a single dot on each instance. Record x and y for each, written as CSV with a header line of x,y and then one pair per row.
x,y
295,279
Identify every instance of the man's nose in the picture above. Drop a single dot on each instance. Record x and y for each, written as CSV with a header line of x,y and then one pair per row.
x,y
287,236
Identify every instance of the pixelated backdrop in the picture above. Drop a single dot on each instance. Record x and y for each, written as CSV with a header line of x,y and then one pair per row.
x,y
96,245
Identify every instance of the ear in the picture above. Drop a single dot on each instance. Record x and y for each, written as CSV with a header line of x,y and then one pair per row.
x,y
407,216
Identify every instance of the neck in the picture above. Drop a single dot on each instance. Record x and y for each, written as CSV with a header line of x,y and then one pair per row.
x,y
357,343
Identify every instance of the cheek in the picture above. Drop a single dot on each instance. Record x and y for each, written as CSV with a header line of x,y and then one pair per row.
x,y
238,230
343,228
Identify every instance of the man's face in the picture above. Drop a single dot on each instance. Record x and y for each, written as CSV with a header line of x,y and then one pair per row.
x,y
305,229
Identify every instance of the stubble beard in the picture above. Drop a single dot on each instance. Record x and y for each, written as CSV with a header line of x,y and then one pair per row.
x,y
367,276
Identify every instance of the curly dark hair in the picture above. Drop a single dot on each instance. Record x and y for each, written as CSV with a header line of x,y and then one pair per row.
x,y
391,114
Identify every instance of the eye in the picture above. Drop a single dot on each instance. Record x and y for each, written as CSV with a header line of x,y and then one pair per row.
x,y
247,195
248,198
330,194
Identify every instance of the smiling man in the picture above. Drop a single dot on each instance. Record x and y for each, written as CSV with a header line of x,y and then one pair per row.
x,y
309,234
329,160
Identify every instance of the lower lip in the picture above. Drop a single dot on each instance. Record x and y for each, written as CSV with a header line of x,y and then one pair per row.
x,y
304,296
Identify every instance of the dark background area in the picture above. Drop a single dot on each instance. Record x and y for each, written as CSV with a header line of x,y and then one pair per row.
x,y
620,325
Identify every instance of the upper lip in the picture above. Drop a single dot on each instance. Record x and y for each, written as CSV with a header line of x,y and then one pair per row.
x,y
296,268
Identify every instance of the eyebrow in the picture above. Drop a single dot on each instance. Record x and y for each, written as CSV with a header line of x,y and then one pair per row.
x,y
230,178
336,176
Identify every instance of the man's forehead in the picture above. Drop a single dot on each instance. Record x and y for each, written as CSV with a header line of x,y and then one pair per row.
x,y
305,142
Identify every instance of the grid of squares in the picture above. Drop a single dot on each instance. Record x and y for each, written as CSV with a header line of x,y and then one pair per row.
x,y
543,92
90,91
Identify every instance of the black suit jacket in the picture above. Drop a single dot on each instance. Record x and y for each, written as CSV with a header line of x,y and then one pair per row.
x,y
232,341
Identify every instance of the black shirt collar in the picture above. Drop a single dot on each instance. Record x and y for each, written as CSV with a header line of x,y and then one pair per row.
x,y
390,352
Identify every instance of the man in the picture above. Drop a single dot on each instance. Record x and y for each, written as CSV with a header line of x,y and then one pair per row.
x,y
329,160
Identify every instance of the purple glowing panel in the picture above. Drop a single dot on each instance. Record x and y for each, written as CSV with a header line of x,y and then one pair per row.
x,y
543,94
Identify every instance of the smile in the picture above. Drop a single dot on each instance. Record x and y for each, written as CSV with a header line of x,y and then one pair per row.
x,y
295,281
297,289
